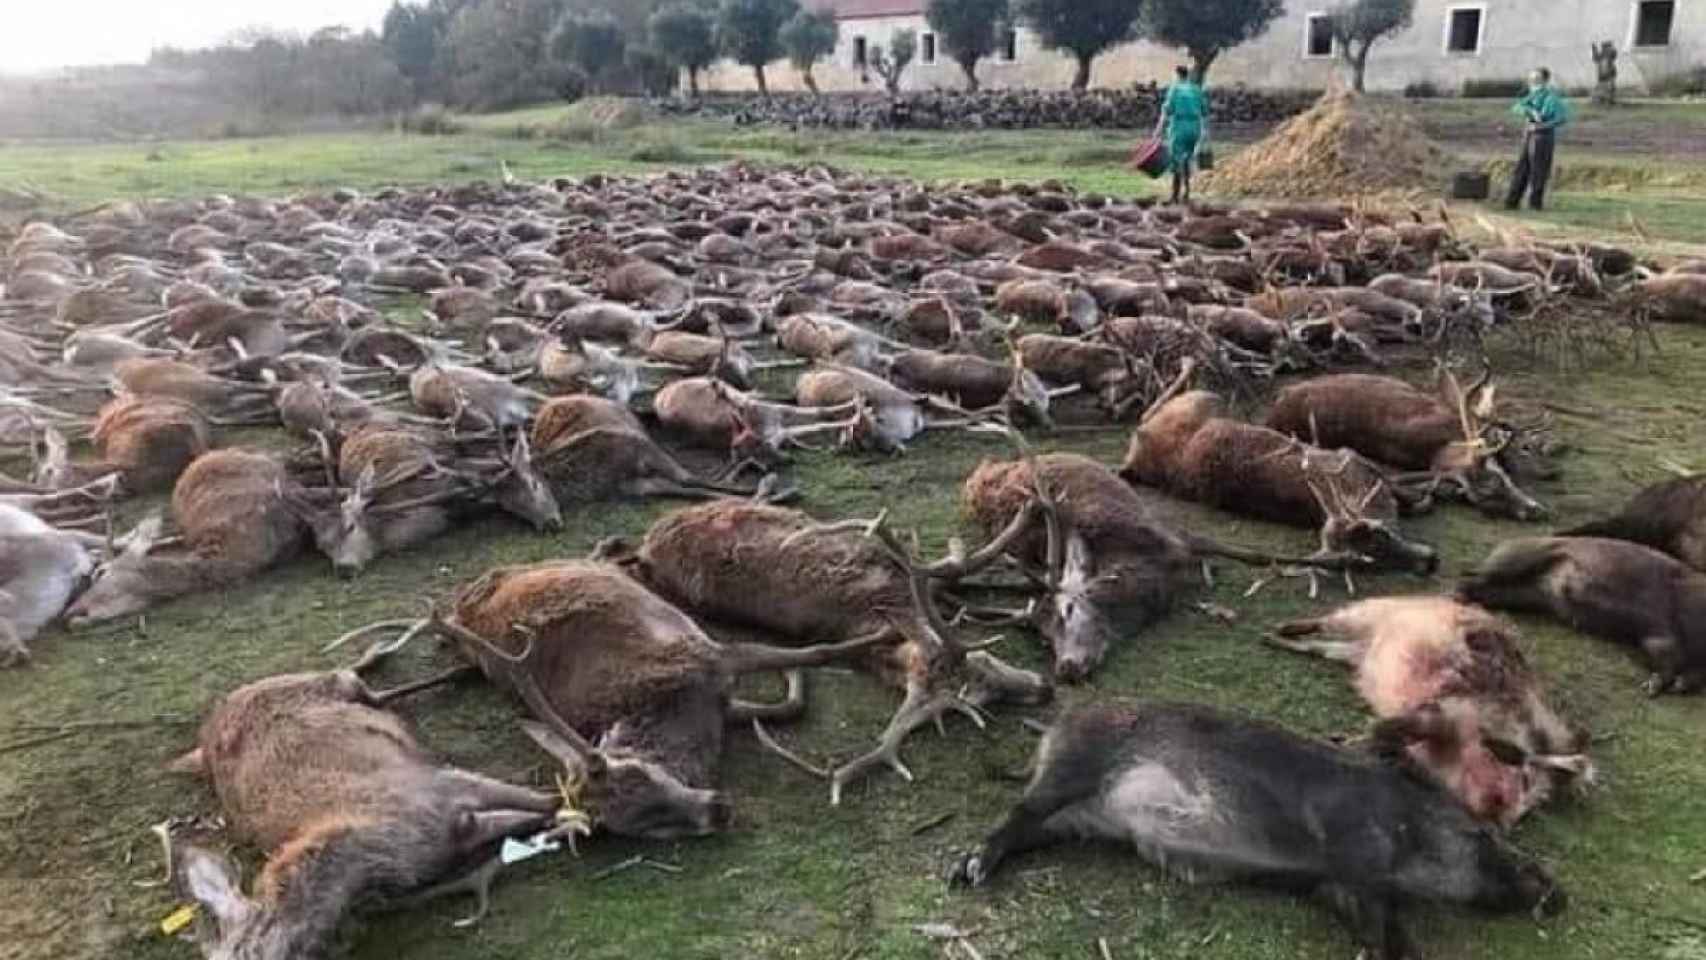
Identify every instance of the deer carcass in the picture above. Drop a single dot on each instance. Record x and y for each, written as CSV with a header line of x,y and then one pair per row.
x,y
41,569
1455,695
1210,796
1451,436
973,383
828,585
1096,368
147,441
642,691
1189,448
709,413
214,396
312,770
1674,297
235,523
591,452
470,399
1611,589
887,417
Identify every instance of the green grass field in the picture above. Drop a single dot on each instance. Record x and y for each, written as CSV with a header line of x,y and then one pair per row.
x,y
86,729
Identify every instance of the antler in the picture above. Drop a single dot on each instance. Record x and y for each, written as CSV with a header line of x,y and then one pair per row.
x,y
515,667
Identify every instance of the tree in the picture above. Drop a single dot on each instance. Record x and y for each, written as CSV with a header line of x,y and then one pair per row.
x,y
1359,24
1084,28
1205,29
495,54
808,37
683,35
903,47
410,35
592,43
749,31
968,30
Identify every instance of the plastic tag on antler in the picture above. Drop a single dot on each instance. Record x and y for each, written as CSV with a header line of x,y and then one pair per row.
x,y
515,851
177,919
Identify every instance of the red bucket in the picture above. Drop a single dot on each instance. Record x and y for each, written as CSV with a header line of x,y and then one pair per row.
x,y
1151,158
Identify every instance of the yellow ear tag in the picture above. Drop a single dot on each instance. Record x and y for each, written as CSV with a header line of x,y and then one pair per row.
x,y
178,919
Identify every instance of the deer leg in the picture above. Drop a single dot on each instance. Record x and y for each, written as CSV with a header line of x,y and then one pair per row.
x,y
496,796
867,528
742,658
1286,637
995,681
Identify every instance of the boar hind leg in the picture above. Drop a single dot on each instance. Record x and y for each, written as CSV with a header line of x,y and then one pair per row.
x,y
1372,919
1287,637
1664,654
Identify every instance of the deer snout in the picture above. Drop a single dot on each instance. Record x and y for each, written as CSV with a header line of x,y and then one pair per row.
x,y
346,569
1071,670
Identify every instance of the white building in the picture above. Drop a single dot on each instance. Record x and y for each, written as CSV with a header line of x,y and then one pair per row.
x,y
1450,41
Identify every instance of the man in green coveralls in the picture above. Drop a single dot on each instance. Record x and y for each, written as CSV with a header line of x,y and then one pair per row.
x,y
1545,111
1184,114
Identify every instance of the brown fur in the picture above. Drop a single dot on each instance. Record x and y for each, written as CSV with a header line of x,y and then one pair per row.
x,y
150,440
1382,418
1677,298
1670,517
1190,449
171,380
563,417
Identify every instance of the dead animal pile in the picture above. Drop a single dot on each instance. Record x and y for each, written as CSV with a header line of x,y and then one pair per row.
x,y
1344,145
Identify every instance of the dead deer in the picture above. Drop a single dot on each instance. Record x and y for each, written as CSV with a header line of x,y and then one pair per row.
x,y
1673,297
570,363
820,337
235,523
216,397
709,413
1453,436
973,383
1105,371
833,584
591,452
1454,695
147,441
887,417
410,486
312,769
41,569
1102,553
623,669
470,399
1188,447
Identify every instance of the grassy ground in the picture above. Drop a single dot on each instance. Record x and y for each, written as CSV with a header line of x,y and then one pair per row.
x,y
1639,161
797,878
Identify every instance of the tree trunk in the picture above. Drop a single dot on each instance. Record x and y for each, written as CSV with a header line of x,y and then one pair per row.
x,y
1359,68
809,80
693,81
969,68
763,87
1081,79
1201,60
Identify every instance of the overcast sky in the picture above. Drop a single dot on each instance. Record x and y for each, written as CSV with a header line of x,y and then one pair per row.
x,y
41,34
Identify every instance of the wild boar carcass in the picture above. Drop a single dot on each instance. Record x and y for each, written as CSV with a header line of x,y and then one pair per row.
x,y
1670,517
1455,695
1211,796
1611,589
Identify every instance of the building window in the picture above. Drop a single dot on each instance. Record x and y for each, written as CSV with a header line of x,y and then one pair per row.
x,y
1463,29
927,52
1653,19
859,52
1010,45
1318,36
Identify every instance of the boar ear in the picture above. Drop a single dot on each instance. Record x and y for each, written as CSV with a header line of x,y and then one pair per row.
x,y
1504,750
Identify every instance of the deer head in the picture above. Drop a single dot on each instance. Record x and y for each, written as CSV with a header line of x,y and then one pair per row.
x,y
1349,528
130,581
521,490
1027,396
1474,461
620,790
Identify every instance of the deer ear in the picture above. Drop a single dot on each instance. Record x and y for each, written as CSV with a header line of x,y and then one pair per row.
x,y
193,763
1427,724
1487,403
211,881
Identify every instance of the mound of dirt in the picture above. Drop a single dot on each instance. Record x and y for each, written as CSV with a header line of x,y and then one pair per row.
x,y
1344,145
610,113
